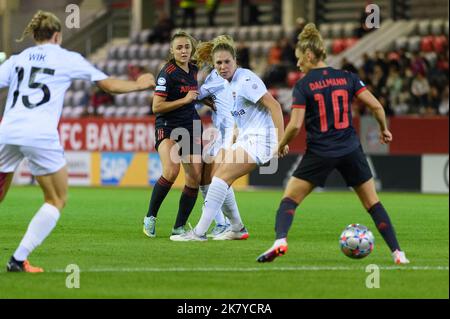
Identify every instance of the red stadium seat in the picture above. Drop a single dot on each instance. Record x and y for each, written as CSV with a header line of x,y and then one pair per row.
x,y
440,43
293,77
426,44
338,46
349,42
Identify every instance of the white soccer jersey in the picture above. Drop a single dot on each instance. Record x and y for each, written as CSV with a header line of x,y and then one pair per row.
x,y
251,117
219,89
38,79
257,133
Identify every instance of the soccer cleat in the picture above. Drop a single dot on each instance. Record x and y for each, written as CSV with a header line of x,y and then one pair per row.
x,y
178,231
219,229
16,266
399,257
188,236
274,252
233,235
149,226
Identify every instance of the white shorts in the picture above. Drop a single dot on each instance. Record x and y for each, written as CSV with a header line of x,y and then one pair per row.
x,y
40,161
222,140
261,148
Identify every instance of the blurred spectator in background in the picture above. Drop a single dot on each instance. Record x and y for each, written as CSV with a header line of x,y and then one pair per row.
x,y
211,7
418,64
368,64
249,13
243,55
99,98
188,7
435,101
443,106
135,71
378,80
288,54
300,23
394,86
420,89
346,65
162,30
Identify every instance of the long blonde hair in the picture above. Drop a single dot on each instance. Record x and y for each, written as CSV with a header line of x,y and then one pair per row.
x,y
42,26
182,34
206,50
310,39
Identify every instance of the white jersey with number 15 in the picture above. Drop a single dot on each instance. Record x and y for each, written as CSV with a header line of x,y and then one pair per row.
x,y
38,79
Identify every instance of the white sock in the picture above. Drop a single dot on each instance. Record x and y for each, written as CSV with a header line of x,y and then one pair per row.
x,y
219,218
213,202
231,210
39,228
279,242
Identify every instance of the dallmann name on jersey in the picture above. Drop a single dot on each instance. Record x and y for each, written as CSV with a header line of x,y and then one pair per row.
x,y
238,113
326,83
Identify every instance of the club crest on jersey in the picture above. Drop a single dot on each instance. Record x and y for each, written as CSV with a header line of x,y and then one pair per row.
x,y
161,81
254,86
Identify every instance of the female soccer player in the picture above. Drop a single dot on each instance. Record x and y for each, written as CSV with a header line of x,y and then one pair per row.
x,y
323,97
219,90
177,125
259,119
38,79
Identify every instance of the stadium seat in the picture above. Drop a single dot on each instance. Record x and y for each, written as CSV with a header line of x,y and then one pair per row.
x,y
122,52
120,99
153,51
209,33
349,42
276,32
66,111
328,43
255,48
401,43
131,98
424,27
325,30
111,67
349,30
122,67
440,43
243,34
164,52
293,77
68,98
109,111
437,27
120,111
133,51
131,111
255,33
336,30
101,65
338,46
77,111
414,43
112,52
144,52
143,111
143,98
143,36
135,38
426,44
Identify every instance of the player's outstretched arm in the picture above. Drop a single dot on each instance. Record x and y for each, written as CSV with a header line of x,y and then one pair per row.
x,y
117,86
378,112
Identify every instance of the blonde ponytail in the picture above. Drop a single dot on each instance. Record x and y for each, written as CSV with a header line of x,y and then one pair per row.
x,y
42,26
310,39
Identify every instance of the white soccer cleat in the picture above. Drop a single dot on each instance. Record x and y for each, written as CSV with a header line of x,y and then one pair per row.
x,y
233,235
399,257
188,236
278,249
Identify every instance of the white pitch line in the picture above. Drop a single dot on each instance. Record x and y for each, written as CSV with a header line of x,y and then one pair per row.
x,y
254,269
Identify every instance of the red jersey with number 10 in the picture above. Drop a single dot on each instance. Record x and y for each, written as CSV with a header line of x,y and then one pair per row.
x,y
326,95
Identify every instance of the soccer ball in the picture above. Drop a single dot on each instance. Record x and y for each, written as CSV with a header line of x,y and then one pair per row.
x,y
356,241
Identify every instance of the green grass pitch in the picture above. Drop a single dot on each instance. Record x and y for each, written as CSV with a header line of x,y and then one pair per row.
x,y
101,231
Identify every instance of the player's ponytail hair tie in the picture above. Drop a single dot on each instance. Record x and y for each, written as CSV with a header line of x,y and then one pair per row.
x,y
42,26
310,39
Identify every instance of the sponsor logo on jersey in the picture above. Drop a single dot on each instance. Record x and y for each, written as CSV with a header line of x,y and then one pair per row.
x,y
160,88
241,112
